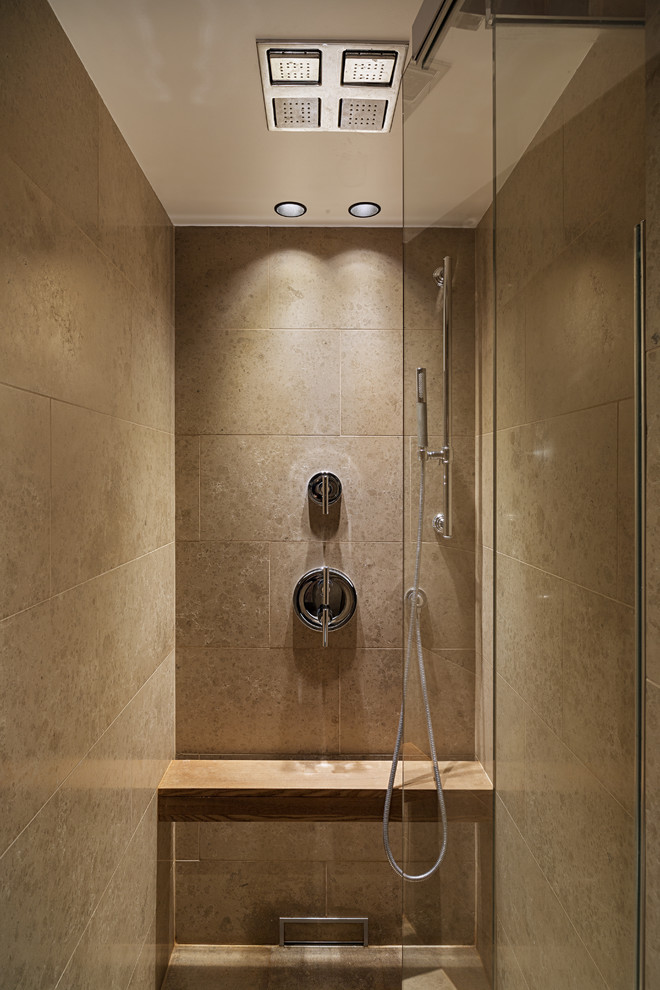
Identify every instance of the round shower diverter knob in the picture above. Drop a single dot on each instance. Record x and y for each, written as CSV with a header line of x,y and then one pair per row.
x,y
324,594
324,489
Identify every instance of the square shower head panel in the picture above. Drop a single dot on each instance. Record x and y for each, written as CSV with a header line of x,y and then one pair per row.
x,y
331,86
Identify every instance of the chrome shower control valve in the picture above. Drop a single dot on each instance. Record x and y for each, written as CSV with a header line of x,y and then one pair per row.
x,y
324,599
324,489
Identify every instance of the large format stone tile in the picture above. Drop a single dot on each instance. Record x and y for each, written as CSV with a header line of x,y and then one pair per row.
x,y
652,833
57,142
599,173
546,946
110,946
56,870
557,497
450,689
371,396
424,253
187,488
335,278
371,889
221,278
72,340
375,968
87,651
295,711
374,569
241,903
111,493
509,974
510,407
255,488
484,323
529,635
25,499
222,594
134,229
151,370
598,688
257,381
370,699
626,503
274,841
584,842
510,750
441,910
577,351
447,578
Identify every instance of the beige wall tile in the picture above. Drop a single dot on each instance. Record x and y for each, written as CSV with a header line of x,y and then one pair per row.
x,y
451,693
584,842
545,944
221,278
71,339
484,323
509,974
599,173
256,488
371,395
187,840
25,499
483,717
151,372
110,946
598,688
576,353
257,381
510,362
370,699
259,894
653,515
134,229
50,110
652,833
529,635
295,711
530,214
275,841
85,652
568,466
371,889
187,488
374,569
447,578
441,910
111,496
222,594
335,278
422,301
510,750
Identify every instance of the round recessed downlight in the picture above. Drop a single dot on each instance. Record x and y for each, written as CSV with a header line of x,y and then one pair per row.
x,y
290,209
364,209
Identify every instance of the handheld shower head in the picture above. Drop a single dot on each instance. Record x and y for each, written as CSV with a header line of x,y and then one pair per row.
x,y
422,425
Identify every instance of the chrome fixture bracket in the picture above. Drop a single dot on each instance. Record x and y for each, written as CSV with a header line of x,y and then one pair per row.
x,y
324,600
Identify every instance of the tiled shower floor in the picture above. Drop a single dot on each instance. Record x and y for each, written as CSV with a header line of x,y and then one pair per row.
x,y
212,967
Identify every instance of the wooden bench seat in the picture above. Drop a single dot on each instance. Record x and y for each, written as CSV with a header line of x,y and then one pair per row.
x,y
318,790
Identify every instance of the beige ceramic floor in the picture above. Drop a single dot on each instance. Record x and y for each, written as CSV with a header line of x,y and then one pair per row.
x,y
211,967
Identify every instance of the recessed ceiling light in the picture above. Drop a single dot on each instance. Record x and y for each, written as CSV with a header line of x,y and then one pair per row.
x,y
364,209
290,209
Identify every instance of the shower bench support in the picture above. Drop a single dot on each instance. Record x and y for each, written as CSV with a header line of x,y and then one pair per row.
x,y
318,790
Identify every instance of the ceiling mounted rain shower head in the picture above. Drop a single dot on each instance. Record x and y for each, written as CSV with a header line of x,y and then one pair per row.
x,y
330,86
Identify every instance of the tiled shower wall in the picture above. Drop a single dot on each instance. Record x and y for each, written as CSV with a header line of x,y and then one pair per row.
x,y
86,579
565,658
289,361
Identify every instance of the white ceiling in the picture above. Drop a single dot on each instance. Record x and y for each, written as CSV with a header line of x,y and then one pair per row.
x,y
181,79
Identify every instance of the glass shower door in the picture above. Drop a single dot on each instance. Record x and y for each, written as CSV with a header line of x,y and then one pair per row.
x,y
570,189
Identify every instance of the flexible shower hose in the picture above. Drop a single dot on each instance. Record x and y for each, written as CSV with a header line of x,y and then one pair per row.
x,y
414,632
